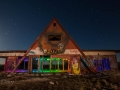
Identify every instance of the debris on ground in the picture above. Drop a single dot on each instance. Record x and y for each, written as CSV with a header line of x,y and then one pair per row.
x,y
103,81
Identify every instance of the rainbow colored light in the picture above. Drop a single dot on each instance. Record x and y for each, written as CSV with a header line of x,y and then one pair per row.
x,y
42,70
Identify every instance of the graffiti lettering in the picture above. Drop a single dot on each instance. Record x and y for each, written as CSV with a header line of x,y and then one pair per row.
x,y
53,51
74,51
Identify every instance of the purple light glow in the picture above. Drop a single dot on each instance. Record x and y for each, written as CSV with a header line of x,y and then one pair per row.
x,y
17,70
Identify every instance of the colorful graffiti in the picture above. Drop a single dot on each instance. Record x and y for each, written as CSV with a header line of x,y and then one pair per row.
x,y
53,51
59,50
102,62
75,65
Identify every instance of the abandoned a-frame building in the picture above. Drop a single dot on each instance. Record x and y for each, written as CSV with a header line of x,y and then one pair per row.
x,y
55,51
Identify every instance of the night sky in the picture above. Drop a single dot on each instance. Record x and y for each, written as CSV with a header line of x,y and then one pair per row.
x,y
93,24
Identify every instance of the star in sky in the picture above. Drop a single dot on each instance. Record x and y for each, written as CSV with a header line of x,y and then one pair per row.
x,y
83,20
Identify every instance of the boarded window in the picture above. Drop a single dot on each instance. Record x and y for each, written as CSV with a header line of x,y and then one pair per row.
x,y
54,37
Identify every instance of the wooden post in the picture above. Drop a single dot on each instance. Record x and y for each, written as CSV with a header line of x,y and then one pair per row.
x,y
50,61
29,65
58,64
24,64
68,64
39,65
63,63
79,64
42,64
5,67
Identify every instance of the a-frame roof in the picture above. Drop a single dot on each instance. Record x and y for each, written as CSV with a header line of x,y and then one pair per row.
x,y
54,19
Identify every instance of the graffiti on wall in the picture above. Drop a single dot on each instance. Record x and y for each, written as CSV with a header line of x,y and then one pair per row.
x,y
101,65
36,51
59,50
55,41
53,51
31,52
46,43
74,51
102,62
10,63
75,63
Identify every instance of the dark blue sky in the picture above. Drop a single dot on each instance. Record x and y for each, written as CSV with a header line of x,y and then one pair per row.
x,y
93,24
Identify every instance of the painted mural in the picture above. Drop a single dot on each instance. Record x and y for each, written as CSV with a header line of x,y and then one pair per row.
x,y
75,64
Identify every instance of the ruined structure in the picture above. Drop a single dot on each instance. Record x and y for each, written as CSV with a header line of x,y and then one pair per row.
x,y
55,51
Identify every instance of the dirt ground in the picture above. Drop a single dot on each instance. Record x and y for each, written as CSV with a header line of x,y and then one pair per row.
x,y
107,80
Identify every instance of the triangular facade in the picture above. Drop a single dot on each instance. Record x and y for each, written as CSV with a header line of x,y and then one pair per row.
x,y
52,37
55,42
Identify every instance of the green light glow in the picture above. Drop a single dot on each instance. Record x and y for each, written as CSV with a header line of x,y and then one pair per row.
x,y
48,58
43,61
47,71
